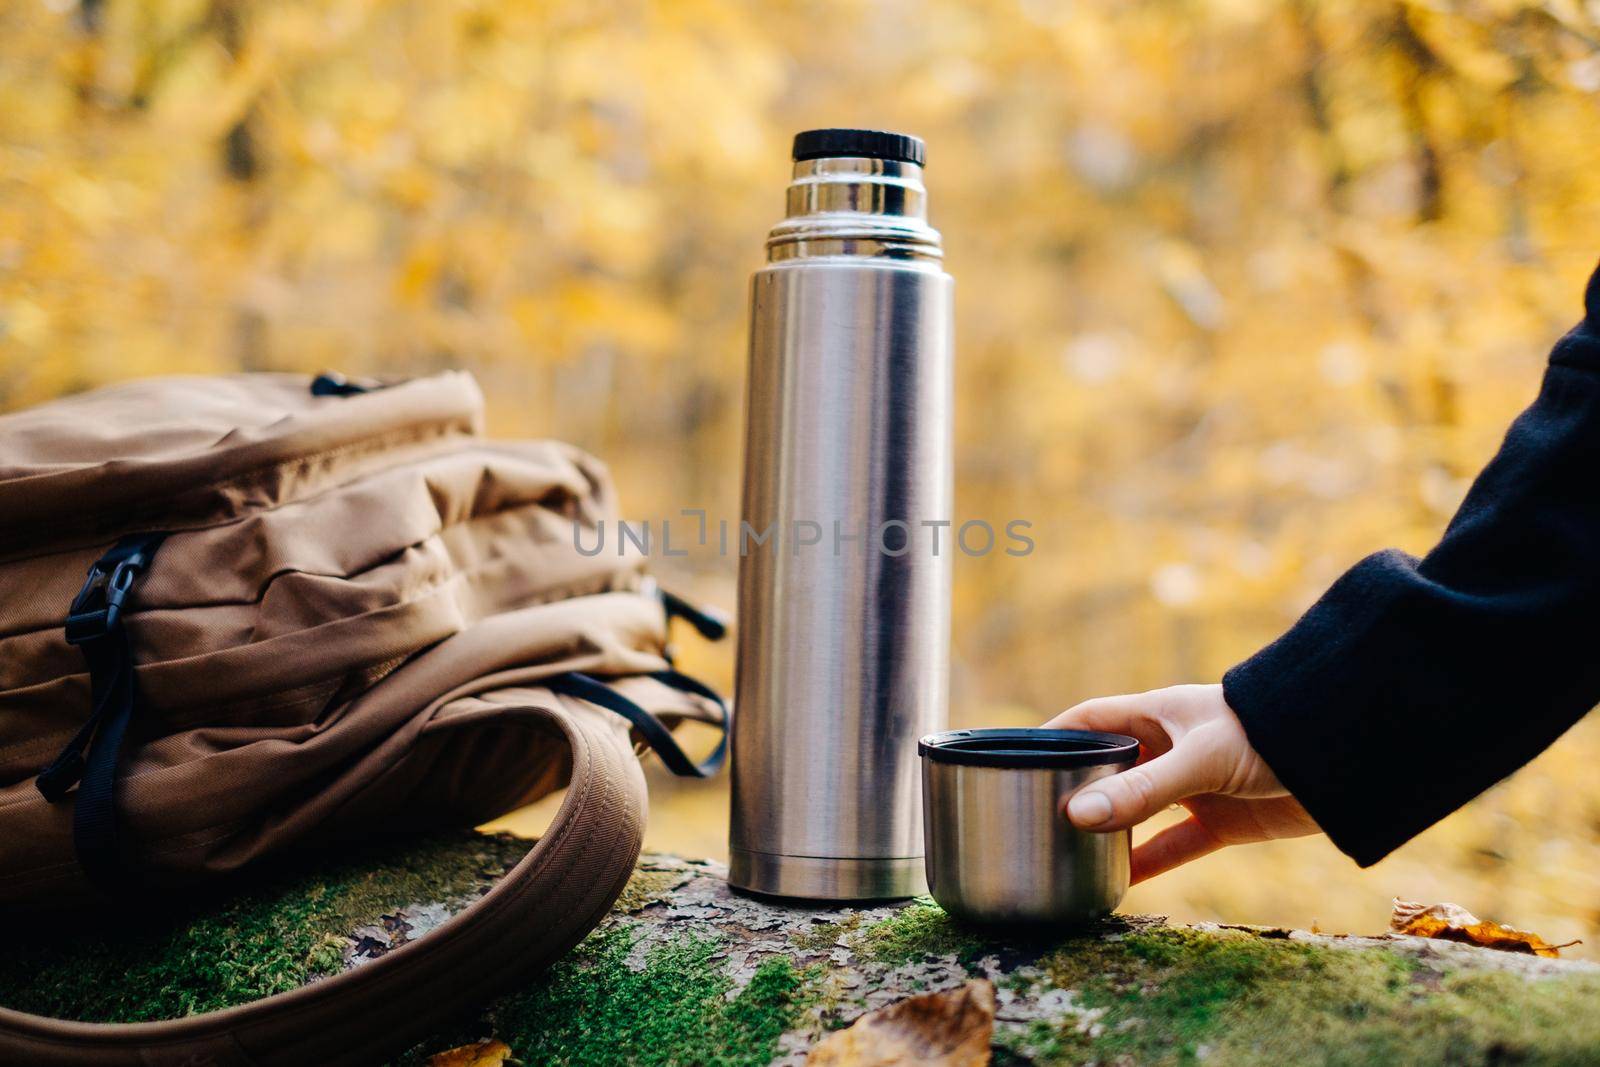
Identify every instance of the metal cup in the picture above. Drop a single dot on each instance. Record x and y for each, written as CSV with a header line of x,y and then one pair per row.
x,y
999,848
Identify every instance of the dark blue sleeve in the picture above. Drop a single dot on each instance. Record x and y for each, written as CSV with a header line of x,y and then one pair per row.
x,y
1413,685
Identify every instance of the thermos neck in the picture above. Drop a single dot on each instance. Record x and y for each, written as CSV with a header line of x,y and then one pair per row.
x,y
855,206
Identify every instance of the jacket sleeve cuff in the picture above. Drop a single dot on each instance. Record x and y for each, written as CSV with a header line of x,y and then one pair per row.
x,y
1320,726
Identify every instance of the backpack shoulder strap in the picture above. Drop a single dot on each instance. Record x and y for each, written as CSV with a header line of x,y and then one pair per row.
x,y
545,905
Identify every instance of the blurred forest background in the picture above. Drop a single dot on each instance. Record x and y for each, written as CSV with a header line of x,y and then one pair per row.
x,y
1246,291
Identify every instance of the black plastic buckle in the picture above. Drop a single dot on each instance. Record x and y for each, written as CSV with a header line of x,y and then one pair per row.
x,y
97,608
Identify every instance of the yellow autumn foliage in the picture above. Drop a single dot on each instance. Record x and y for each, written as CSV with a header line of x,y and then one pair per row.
x,y
1246,291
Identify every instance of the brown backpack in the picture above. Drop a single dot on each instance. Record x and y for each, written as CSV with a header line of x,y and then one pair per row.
x,y
316,610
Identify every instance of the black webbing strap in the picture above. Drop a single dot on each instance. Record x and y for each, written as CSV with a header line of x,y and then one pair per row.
x,y
653,730
94,624
332,383
711,625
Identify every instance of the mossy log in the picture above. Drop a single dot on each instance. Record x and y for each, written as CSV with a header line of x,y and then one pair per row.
x,y
686,972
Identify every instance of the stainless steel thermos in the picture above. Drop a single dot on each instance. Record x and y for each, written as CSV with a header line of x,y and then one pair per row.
x,y
845,542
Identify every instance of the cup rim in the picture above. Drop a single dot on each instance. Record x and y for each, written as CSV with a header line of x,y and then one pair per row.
x,y
1025,748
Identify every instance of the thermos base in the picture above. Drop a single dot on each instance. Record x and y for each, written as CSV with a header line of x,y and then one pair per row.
x,y
827,878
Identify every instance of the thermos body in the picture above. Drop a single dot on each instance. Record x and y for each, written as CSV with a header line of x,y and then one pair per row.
x,y
845,541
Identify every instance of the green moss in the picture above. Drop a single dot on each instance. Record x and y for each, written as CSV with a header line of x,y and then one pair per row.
x,y
593,1009
921,928
285,930
327,955
1176,996
644,889
824,935
1041,1043
748,1032
1140,992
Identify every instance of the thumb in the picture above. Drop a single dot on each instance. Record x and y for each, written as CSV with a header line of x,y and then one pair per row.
x,y
1122,800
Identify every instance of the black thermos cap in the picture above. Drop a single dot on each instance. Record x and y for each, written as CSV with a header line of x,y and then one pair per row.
x,y
873,144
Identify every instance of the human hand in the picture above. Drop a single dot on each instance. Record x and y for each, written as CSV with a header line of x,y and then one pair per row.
x,y
1192,751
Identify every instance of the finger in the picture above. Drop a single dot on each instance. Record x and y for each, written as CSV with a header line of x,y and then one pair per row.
x,y
1126,714
1172,847
1131,797
1099,713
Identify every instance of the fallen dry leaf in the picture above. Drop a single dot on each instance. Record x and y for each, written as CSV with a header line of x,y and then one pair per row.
x,y
486,1053
948,1029
1452,922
